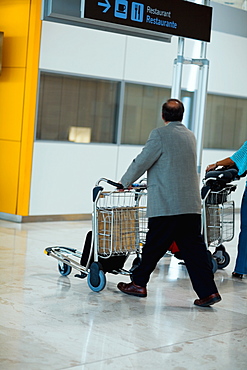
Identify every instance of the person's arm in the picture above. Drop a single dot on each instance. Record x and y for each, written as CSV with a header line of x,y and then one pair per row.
x,y
148,156
240,159
227,162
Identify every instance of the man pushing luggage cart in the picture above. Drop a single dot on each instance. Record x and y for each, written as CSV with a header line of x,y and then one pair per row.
x,y
173,205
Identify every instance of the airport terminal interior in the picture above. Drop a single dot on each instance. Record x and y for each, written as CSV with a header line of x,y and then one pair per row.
x,y
50,321
77,103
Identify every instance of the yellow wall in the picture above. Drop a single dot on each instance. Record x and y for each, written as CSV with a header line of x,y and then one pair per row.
x,y
21,24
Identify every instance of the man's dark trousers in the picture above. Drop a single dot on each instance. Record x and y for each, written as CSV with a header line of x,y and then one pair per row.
x,y
185,230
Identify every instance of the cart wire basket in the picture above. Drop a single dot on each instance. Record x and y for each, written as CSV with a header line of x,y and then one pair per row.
x,y
218,216
220,212
121,223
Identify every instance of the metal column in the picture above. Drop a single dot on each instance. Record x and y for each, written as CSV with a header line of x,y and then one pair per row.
x,y
177,70
201,104
201,94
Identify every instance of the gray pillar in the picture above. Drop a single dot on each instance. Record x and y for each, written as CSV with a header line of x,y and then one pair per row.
x,y
201,93
177,70
200,103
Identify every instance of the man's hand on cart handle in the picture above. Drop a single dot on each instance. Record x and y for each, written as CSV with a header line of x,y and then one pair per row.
x,y
118,185
122,188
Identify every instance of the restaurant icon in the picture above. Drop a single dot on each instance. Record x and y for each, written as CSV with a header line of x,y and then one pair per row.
x,y
137,11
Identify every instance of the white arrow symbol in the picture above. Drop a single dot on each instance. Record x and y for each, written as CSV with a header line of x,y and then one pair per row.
x,y
107,6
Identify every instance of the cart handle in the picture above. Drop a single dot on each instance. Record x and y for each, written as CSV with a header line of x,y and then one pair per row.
x,y
118,185
113,183
97,189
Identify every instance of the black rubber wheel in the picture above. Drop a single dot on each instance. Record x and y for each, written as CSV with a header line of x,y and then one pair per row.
x,y
64,269
96,278
224,260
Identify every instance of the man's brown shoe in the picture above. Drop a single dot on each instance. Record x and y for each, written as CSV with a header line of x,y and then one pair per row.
x,y
208,301
132,289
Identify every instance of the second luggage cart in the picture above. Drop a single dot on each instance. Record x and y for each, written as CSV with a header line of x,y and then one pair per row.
x,y
218,214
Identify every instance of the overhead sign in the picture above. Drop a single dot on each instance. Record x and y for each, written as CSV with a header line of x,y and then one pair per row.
x,y
173,17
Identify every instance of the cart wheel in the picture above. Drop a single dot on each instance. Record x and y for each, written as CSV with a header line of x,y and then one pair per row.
x,y
64,269
223,260
96,278
135,264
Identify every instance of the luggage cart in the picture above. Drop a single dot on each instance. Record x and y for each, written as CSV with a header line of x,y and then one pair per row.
x,y
119,227
218,214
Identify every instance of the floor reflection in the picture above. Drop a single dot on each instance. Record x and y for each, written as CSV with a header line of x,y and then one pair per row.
x,y
53,322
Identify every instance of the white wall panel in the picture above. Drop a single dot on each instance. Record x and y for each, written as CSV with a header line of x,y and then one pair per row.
x,y
150,61
64,175
71,49
126,155
80,50
227,71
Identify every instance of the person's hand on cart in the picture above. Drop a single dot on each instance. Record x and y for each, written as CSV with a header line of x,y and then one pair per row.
x,y
138,186
227,162
119,185
122,188
211,167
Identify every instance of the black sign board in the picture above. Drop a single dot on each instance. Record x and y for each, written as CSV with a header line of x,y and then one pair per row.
x,y
173,17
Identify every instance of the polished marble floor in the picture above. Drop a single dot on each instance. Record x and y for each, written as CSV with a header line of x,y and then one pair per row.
x,y
51,322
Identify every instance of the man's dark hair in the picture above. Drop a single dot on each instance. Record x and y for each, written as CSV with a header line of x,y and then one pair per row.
x,y
173,110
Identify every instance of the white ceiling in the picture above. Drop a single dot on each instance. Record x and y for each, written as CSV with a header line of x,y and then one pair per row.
x,y
241,4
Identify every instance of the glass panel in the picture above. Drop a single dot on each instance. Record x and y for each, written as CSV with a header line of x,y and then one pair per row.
x,y
49,107
142,111
240,134
213,121
85,110
77,109
225,122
